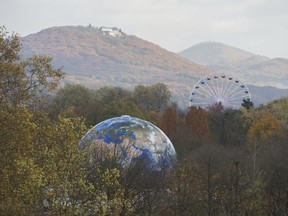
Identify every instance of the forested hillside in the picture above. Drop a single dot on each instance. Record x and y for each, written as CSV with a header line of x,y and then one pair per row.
x,y
230,162
95,60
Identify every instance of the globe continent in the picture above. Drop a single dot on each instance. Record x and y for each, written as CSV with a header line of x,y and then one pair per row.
x,y
130,140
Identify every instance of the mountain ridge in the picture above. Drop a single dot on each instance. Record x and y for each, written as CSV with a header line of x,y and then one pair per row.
x,y
201,53
105,52
95,58
251,68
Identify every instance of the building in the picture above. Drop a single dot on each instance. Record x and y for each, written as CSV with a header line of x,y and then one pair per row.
x,y
115,32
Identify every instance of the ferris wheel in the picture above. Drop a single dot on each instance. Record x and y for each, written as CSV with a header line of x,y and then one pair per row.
x,y
219,88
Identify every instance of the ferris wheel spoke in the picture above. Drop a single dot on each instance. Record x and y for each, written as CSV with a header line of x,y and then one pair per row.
x,y
200,100
204,94
201,103
235,92
226,88
215,88
238,101
233,106
212,92
232,91
207,92
237,98
229,89
234,103
201,97
242,91
218,87
241,94
222,86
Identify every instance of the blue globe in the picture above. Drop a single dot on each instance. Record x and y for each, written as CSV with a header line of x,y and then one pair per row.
x,y
130,140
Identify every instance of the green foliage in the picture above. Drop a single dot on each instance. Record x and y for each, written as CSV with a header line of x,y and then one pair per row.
x,y
233,130
247,104
34,155
152,98
23,80
104,103
21,177
72,96
279,110
256,202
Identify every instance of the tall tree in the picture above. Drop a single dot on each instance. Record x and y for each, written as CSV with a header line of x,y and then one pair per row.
x,y
23,80
197,124
22,83
21,177
169,122
247,104
73,96
263,130
233,131
152,98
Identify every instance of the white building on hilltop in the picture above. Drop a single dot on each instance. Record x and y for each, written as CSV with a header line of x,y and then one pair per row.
x,y
115,32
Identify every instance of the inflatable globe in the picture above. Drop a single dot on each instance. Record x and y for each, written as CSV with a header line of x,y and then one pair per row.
x,y
129,140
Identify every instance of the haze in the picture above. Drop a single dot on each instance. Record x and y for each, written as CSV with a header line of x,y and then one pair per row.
x,y
258,26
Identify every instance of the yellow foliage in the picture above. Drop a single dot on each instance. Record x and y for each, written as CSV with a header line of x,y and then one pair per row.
x,y
266,127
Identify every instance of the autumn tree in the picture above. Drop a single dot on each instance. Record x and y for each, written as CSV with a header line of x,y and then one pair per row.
x,y
215,116
273,162
279,110
23,81
21,177
209,158
169,122
233,131
186,190
197,125
263,130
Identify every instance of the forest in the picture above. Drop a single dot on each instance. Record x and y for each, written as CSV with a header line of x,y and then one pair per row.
x,y
229,162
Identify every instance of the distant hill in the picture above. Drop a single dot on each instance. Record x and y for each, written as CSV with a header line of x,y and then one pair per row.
x,y
253,69
214,53
95,58
266,94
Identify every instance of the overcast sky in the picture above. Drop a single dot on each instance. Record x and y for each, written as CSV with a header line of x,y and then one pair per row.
x,y
258,26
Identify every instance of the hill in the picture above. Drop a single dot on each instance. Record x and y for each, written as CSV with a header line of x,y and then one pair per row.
x,y
95,57
266,94
251,68
214,53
